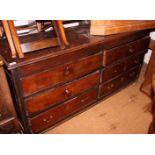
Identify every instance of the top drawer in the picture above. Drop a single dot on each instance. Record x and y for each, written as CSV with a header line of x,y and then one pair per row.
x,y
115,54
48,78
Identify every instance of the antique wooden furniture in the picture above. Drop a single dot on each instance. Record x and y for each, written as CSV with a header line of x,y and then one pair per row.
x,y
8,119
52,85
152,126
146,86
107,27
18,47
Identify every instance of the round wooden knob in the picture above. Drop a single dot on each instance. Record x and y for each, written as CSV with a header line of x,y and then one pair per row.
x,y
132,74
67,70
47,120
131,50
83,100
67,92
122,79
115,71
136,61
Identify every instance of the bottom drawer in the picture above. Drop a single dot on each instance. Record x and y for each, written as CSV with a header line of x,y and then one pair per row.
x,y
7,126
110,87
59,113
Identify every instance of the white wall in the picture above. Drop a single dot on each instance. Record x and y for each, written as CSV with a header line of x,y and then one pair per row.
x,y
148,54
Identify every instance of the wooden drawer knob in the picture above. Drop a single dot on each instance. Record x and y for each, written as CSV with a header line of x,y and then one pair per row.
x,y
122,79
67,70
84,100
67,92
110,86
47,120
131,50
115,71
132,74
136,61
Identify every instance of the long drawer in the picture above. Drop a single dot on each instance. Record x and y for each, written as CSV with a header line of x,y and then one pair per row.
x,y
53,96
118,82
115,54
61,112
48,78
115,70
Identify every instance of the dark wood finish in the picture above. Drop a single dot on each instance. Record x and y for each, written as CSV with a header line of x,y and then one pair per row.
x,y
48,81
52,97
110,56
60,74
109,87
54,115
112,71
122,66
39,44
134,60
8,119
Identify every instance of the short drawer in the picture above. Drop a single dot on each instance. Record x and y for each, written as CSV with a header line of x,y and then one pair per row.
x,y
110,87
119,82
115,54
48,78
61,112
7,126
53,96
111,72
134,61
132,73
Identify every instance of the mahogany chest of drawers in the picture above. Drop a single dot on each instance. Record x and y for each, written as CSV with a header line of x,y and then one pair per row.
x,y
51,85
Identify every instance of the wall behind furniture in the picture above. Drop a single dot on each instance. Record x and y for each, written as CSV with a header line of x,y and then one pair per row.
x,y
148,54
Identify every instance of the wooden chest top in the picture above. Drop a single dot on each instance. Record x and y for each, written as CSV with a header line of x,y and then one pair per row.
x,y
79,38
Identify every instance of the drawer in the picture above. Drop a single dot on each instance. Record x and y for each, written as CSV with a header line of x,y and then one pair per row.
x,y
132,73
119,82
112,86
58,59
7,126
115,54
51,97
134,61
61,74
61,112
111,72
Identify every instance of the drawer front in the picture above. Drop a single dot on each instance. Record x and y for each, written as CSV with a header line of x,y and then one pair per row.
x,y
8,126
112,72
115,54
54,96
59,113
132,74
110,87
61,74
58,60
134,61
119,82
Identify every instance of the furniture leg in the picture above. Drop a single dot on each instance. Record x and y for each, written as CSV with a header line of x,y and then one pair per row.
x,y
9,37
58,27
15,39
